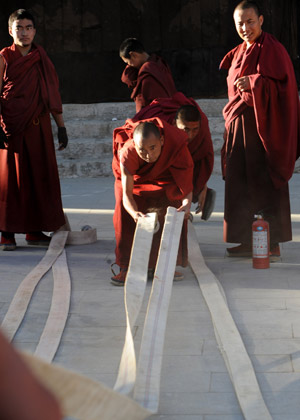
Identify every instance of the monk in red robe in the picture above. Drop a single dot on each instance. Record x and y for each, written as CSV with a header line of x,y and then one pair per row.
x,y
153,170
21,395
261,134
186,114
148,76
30,198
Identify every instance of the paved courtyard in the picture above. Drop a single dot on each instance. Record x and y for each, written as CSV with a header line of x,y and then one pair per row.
x,y
195,384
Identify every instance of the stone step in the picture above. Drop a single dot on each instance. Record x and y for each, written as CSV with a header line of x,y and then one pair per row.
x,y
95,167
121,110
89,128
87,147
216,125
105,111
97,129
84,167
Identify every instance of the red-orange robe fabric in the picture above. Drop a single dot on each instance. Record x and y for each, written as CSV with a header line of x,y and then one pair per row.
x,y
153,80
21,395
30,197
156,186
261,147
201,147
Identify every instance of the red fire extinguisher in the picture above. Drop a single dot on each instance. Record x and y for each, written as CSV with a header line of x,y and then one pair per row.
x,y
260,243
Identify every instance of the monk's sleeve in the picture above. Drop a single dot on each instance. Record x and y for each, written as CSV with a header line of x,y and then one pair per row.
x,y
129,158
276,107
182,173
129,76
151,89
21,395
203,158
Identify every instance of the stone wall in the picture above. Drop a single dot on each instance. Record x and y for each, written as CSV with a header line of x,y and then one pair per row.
x,y
83,36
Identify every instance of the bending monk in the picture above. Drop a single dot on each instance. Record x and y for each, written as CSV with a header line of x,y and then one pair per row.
x,y
261,134
30,198
153,170
21,395
194,122
186,114
148,76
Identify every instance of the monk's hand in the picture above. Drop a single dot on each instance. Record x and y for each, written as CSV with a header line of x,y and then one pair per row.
x,y
137,214
242,83
3,139
201,199
62,138
187,210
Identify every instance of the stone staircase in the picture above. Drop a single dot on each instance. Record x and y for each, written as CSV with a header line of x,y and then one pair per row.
x,y
90,127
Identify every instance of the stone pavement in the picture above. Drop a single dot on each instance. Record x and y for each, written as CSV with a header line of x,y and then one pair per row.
x,y
195,384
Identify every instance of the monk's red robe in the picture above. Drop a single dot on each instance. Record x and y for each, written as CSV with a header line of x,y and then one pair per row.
x,y
156,186
261,147
21,395
201,147
153,80
30,198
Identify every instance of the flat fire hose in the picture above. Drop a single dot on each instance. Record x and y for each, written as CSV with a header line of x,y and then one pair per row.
x,y
134,291
228,337
55,258
83,398
145,380
147,386
79,396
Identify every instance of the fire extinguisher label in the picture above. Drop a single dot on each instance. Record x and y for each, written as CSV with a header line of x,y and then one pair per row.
x,y
260,244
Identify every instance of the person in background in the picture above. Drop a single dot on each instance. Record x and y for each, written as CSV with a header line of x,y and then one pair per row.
x,y
148,75
261,139
30,197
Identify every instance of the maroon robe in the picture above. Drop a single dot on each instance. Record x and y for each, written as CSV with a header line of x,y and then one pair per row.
x,y
153,80
156,186
21,395
201,147
260,150
30,197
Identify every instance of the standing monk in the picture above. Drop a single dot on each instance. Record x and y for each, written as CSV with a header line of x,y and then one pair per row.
x,y
148,76
30,198
261,133
153,170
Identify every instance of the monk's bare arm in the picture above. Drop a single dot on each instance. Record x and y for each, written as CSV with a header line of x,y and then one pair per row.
x,y
186,205
128,200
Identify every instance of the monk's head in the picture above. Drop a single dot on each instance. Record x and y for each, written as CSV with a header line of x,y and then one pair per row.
x,y
248,21
21,26
133,53
188,118
148,141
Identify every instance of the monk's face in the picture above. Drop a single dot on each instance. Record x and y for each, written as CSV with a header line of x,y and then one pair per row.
x,y
135,60
148,149
248,24
191,128
23,32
